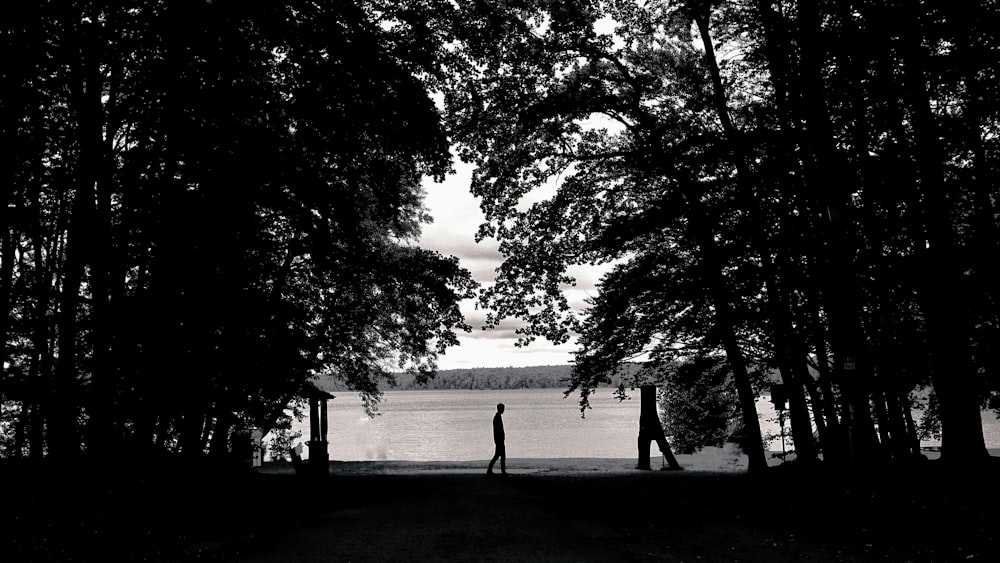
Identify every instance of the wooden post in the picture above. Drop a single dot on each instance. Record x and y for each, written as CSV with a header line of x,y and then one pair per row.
x,y
650,429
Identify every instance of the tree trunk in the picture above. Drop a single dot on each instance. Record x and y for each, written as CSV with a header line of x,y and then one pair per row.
x,y
64,405
786,353
778,50
816,400
41,359
842,293
220,436
651,429
723,309
973,52
88,90
191,426
943,295
752,442
7,235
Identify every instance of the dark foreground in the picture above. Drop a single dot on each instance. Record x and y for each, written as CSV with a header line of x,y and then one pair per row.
x,y
171,512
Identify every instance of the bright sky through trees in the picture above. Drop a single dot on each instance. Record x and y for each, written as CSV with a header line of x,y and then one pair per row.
x,y
456,217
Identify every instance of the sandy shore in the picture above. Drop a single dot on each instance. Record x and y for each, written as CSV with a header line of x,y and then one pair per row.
x,y
515,466
722,460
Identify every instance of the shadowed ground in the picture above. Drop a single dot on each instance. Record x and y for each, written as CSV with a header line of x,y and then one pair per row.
x,y
599,510
459,517
550,510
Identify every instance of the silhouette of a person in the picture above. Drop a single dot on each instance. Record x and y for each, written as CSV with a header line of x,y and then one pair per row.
x,y
498,439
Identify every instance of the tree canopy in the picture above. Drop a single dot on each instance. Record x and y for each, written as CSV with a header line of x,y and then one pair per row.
x,y
806,186
205,204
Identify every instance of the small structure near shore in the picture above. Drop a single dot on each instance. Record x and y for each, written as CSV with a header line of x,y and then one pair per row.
x,y
318,464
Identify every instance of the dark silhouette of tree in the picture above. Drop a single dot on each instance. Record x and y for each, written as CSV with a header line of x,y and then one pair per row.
x,y
697,404
654,192
205,203
805,186
209,203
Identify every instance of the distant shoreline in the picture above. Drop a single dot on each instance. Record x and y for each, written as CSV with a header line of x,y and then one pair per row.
x,y
495,378
534,377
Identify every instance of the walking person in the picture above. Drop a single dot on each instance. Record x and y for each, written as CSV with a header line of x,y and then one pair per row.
x,y
498,439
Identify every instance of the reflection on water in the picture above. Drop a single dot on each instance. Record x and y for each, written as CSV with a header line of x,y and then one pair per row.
x,y
456,425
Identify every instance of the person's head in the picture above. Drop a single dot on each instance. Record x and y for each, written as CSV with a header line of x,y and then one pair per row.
x,y
500,408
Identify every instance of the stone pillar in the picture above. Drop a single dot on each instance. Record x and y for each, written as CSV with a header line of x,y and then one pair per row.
x,y
319,455
313,418
322,421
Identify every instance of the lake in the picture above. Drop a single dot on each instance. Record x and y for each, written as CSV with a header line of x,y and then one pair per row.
x,y
456,425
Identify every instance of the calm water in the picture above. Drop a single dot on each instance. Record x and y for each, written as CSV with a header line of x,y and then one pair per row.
x,y
456,425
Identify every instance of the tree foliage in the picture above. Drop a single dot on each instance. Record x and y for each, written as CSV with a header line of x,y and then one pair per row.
x,y
697,405
224,196
207,203
808,186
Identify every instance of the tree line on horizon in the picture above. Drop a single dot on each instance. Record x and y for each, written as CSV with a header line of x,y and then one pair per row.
x,y
533,377
207,203
481,378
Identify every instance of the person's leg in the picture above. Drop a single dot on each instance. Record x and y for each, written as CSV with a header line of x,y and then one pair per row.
x,y
496,455
502,451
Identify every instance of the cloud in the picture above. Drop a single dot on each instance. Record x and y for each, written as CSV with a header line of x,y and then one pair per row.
x,y
502,353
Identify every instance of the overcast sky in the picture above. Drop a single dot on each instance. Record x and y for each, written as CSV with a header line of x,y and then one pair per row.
x,y
456,217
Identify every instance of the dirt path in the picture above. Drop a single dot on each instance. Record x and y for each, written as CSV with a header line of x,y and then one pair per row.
x,y
455,515
458,517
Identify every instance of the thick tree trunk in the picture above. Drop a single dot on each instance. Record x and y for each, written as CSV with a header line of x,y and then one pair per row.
x,y
790,354
651,430
815,395
901,447
21,425
7,235
93,136
911,428
786,352
741,161
219,446
10,213
64,402
802,434
191,427
41,359
825,172
752,442
943,295
974,53
779,50
66,396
